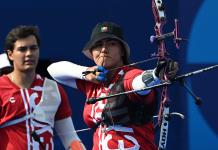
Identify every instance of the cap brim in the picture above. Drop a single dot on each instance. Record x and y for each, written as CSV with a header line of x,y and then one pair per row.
x,y
86,51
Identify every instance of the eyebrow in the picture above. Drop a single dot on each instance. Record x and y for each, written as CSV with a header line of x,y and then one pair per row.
x,y
27,45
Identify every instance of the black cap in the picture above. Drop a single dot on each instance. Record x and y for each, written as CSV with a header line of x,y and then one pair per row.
x,y
103,31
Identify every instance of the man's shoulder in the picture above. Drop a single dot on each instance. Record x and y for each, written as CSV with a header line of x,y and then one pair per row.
x,y
4,80
6,86
40,80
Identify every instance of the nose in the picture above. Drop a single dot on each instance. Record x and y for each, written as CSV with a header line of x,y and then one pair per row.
x,y
104,47
29,51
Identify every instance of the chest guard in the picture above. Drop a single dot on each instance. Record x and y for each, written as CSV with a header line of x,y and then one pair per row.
x,y
46,109
121,111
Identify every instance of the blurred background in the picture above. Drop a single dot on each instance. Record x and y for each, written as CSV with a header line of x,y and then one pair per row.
x,y
65,27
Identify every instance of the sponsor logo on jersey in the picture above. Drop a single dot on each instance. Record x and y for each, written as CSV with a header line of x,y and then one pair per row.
x,y
12,100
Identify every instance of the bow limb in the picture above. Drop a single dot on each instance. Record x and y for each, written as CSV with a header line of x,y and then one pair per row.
x,y
160,19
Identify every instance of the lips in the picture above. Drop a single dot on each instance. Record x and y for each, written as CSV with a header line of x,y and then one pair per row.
x,y
29,62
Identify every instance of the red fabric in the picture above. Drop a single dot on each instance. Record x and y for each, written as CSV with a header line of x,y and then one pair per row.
x,y
12,107
143,135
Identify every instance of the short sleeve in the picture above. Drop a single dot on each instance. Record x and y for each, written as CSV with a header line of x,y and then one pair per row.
x,y
64,109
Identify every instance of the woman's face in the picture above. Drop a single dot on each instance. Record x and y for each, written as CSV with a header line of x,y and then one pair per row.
x,y
108,53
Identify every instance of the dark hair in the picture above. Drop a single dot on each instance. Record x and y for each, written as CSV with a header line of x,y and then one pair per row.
x,y
20,32
6,70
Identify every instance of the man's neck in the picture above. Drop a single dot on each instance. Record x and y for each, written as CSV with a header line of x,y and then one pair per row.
x,y
22,79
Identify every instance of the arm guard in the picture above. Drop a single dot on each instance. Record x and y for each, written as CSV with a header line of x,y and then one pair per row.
x,y
146,79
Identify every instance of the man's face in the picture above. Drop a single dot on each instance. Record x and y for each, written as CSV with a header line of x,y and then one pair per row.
x,y
25,54
108,53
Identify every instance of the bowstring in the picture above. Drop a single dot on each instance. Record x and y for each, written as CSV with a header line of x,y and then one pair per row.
x,y
135,63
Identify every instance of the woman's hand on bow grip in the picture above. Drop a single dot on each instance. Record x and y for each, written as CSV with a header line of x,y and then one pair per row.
x,y
166,68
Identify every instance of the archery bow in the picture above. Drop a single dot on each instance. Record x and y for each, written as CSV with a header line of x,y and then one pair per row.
x,y
164,111
160,19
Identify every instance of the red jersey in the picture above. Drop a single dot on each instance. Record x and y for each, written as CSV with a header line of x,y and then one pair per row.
x,y
19,104
132,136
